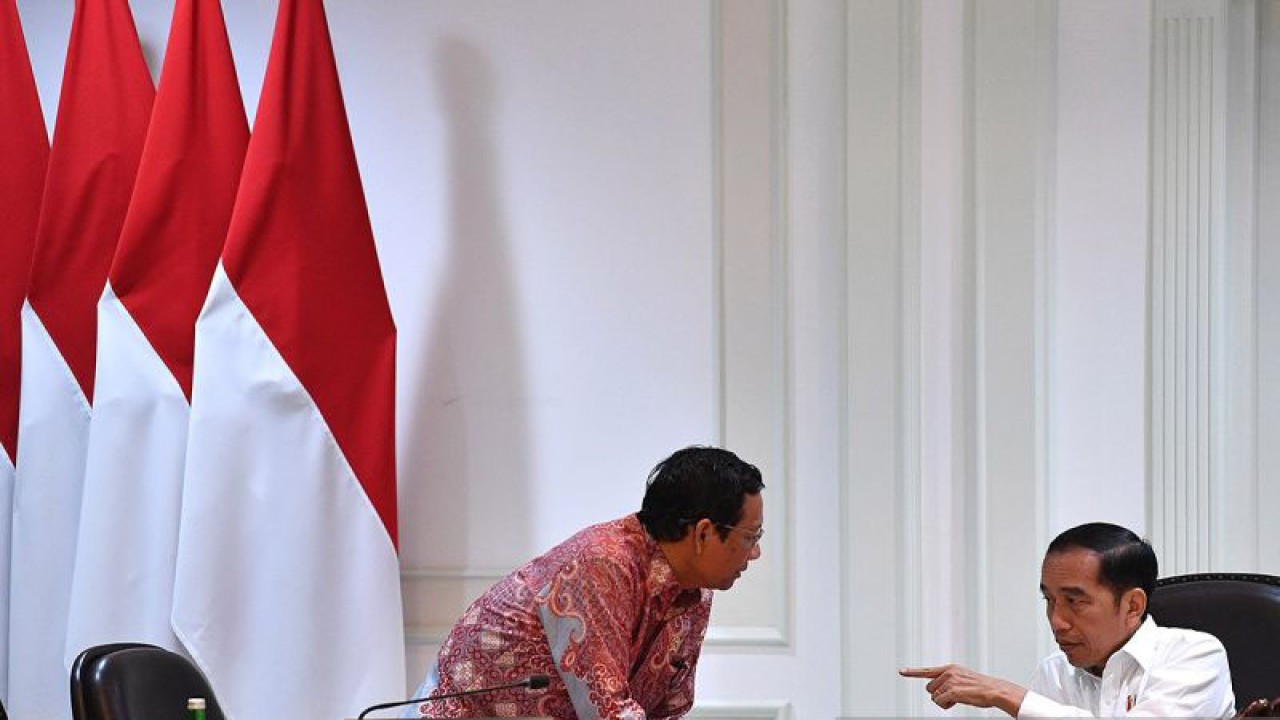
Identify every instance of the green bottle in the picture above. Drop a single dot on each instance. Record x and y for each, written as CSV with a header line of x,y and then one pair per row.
x,y
195,708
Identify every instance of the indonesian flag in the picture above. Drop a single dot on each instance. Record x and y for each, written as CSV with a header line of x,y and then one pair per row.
x,y
287,589
102,119
24,145
122,589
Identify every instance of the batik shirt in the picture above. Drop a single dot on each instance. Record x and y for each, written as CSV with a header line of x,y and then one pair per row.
x,y
600,614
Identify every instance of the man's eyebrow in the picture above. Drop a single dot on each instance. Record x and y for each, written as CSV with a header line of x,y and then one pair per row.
x,y
1070,590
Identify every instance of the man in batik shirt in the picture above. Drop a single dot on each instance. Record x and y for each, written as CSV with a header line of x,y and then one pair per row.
x,y
616,614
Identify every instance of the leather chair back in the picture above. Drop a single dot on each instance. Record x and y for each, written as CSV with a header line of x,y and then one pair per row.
x,y
82,667
142,683
1242,611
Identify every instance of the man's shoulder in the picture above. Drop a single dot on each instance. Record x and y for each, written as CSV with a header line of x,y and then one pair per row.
x,y
612,544
1179,642
1156,647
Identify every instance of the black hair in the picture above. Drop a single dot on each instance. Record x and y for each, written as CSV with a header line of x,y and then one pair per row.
x,y
694,483
1127,561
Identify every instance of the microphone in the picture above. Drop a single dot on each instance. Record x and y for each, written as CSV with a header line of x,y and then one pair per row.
x,y
533,682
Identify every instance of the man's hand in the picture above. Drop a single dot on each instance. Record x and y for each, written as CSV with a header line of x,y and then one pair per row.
x,y
950,685
1261,708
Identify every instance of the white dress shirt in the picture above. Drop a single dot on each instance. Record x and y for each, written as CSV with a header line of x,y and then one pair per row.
x,y
1160,672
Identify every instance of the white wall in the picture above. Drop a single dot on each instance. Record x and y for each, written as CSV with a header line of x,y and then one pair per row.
x,y
1268,300
894,252
1097,444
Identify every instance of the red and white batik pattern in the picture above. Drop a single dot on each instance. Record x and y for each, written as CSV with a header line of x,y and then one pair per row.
x,y
601,614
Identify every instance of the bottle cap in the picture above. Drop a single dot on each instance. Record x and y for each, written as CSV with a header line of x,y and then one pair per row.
x,y
195,704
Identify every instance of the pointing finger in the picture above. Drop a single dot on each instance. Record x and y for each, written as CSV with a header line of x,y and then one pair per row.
x,y
922,672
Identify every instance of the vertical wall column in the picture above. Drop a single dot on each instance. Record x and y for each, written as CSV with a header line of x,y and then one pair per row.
x,y
1190,351
1013,141
752,299
974,420
1267,217
880,499
1240,540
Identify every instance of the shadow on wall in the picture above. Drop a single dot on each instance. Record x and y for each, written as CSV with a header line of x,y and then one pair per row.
x,y
467,426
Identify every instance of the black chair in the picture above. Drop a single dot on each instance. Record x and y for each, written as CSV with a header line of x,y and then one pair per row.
x,y
1242,611
80,670
137,682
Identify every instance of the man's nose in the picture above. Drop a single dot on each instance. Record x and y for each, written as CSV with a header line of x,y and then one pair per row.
x,y
1058,623
755,552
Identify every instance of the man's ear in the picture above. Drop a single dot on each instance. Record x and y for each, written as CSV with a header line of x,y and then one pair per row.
x,y
1134,602
702,533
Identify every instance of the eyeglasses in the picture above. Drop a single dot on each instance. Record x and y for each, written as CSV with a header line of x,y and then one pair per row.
x,y
754,536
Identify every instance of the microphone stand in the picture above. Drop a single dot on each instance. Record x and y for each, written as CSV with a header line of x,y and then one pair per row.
x,y
533,682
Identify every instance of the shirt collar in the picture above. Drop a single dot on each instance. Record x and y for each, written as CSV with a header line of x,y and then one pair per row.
x,y
1140,648
1142,644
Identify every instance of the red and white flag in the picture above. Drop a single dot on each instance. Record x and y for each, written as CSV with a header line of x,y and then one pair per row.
x,y
287,591
24,145
122,590
102,120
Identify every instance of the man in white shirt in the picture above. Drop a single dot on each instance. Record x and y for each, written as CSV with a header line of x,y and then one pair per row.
x,y
1114,660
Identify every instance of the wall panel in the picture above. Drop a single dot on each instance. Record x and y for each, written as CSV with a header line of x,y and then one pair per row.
x,y
752,311
1187,352
880,495
1012,171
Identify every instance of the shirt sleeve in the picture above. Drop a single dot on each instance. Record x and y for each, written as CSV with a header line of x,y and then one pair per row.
x,y
1038,702
587,614
1035,705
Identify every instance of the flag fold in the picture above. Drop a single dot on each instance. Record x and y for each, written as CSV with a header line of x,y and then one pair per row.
x,y
122,589
24,145
102,119
287,590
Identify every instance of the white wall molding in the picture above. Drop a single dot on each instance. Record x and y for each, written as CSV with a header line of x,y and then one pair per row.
x,y
745,638
1267,289
1013,75
435,597
752,301
1238,498
419,574
741,711
880,502
910,579
945,346
1188,352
